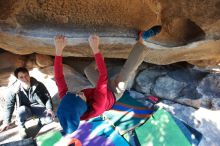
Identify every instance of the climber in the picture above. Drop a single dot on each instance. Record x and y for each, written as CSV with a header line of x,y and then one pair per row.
x,y
92,102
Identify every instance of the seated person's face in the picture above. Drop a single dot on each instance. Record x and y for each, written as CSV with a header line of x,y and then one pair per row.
x,y
24,78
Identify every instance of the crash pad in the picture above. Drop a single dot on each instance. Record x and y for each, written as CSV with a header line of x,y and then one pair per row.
x,y
161,129
127,113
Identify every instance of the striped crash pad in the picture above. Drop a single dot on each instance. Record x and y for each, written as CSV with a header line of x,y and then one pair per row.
x,y
127,113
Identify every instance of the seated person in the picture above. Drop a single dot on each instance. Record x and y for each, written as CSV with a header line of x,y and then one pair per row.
x,y
31,99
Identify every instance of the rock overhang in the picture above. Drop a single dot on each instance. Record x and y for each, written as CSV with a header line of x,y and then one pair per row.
x,y
29,26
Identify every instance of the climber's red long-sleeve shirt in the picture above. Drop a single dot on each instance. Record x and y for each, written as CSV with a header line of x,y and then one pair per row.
x,y
99,99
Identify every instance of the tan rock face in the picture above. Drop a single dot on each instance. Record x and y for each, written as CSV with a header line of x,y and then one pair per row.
x,y
11,61
28,26
43,60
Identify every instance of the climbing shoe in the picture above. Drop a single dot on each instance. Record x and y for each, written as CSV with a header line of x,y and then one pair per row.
x,y
150,32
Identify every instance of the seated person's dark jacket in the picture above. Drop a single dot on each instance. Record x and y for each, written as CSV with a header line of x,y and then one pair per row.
x,y
37,94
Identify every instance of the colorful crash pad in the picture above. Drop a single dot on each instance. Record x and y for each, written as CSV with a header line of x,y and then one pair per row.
x,y
98,132
161,129
127,113
91,133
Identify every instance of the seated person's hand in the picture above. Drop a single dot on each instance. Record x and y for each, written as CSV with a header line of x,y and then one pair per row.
x,y
4,127
94,43
51,114
60,42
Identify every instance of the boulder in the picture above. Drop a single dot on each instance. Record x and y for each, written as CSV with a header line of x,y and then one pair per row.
x,y
190,29
5,76
8,63
209,88
11,61
168,88
176,82
43,60
145,80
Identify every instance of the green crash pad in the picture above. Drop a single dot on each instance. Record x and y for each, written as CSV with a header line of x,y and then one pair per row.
x,y
161,130
49,139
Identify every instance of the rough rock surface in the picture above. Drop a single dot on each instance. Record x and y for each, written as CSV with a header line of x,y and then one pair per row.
x,y
11,61
147,77
209,88
43,60
190,29
8,63
185,85
167,87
